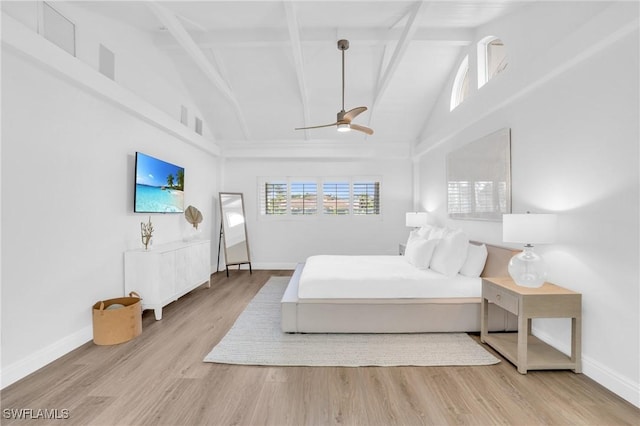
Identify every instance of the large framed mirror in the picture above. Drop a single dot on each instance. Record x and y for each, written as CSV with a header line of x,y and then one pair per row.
x,y
479,178
233,231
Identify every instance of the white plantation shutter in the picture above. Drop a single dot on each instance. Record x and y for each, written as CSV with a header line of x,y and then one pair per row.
x,y
366,198
300,197
304,198
274,198
336,197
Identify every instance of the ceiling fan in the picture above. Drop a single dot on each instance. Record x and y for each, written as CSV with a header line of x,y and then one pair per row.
x,y
343,121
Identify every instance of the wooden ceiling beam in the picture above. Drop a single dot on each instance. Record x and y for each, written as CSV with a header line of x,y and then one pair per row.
x,y
404,41
296,48
186,42
269,37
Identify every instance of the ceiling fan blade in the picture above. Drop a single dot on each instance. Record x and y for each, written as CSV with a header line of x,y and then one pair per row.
x,y
315,127
353,113
362,129
344,118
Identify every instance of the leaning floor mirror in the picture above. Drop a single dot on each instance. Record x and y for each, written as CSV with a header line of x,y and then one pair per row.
x,y
233,231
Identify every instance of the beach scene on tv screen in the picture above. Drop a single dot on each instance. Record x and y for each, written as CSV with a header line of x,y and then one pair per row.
x,y
159,186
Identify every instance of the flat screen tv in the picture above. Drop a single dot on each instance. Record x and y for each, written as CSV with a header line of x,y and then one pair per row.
x,y
159,186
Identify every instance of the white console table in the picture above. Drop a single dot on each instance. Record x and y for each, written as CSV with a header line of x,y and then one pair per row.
x,y
164,273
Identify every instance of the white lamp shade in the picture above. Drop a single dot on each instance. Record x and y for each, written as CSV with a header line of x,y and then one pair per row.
x,y
529,228
416,219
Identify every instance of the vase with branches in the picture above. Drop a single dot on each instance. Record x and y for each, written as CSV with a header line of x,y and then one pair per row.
x,y
146,231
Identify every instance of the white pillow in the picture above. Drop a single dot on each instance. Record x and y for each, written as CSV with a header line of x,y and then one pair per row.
x,y
413,235
436,233
476,258
450,254
419,252
424,231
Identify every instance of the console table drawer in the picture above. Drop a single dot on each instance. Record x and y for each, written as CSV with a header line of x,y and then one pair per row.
x,y
501,298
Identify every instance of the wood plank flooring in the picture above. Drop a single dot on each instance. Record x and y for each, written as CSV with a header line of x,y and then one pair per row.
x,y
159,379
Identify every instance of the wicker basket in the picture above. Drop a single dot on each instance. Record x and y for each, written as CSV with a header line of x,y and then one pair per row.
x,y
119,325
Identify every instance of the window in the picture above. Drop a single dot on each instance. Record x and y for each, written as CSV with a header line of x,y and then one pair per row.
x,y
496,58
492,59
289,197
366,198
460,89
275,198
304,198
336,196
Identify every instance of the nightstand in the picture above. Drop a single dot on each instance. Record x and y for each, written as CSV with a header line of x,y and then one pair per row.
x,y
524,350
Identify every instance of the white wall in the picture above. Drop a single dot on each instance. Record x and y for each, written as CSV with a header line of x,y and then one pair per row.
x,y
69,138
139,66
281,243
570,97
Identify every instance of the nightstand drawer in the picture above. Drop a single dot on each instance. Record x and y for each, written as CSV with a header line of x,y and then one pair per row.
x,y
501,298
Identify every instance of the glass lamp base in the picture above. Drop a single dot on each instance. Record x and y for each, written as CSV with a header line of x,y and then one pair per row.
x,y
528,269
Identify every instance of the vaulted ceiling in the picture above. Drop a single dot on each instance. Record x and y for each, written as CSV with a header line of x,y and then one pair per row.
x,y
260,69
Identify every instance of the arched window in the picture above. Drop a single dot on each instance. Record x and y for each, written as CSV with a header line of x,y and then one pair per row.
x,y
492,59
461,84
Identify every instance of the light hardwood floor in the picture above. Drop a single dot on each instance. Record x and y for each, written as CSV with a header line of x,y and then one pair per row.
x,y
159,379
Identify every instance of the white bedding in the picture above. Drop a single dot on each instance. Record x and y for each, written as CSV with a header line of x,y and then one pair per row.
x,y
379,277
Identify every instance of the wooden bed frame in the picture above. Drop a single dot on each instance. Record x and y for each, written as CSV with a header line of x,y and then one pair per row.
x,y
396,315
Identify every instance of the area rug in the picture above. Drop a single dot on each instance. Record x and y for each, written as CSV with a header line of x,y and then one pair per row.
x,y
256,339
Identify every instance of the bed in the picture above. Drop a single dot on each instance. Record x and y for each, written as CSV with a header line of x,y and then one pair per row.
x,y
355,295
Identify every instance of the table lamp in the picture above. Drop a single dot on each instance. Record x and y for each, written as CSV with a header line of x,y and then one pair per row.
x,y
528,268
416,219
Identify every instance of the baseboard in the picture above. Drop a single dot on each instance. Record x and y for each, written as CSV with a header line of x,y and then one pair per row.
x,y
261,266
18,370
274,266
616,383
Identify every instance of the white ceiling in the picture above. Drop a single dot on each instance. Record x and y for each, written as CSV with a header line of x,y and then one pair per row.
x,y
259,69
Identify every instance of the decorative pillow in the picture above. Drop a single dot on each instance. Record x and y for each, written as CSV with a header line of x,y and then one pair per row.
x,y
436,233
419,252
413,235
476,258
451,253
424,231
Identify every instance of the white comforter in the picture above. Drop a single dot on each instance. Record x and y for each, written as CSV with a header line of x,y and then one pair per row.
x,y
379,277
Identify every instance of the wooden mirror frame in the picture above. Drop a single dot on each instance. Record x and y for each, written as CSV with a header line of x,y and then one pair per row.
x,y
224,226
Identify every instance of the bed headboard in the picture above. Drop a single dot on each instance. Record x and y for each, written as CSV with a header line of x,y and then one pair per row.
x,y
497,260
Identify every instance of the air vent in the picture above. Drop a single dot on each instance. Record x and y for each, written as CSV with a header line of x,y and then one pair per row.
x,y
184,115
106,63
58,29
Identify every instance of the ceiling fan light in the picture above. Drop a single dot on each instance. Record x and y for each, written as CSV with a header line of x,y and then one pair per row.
x,y
344,127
